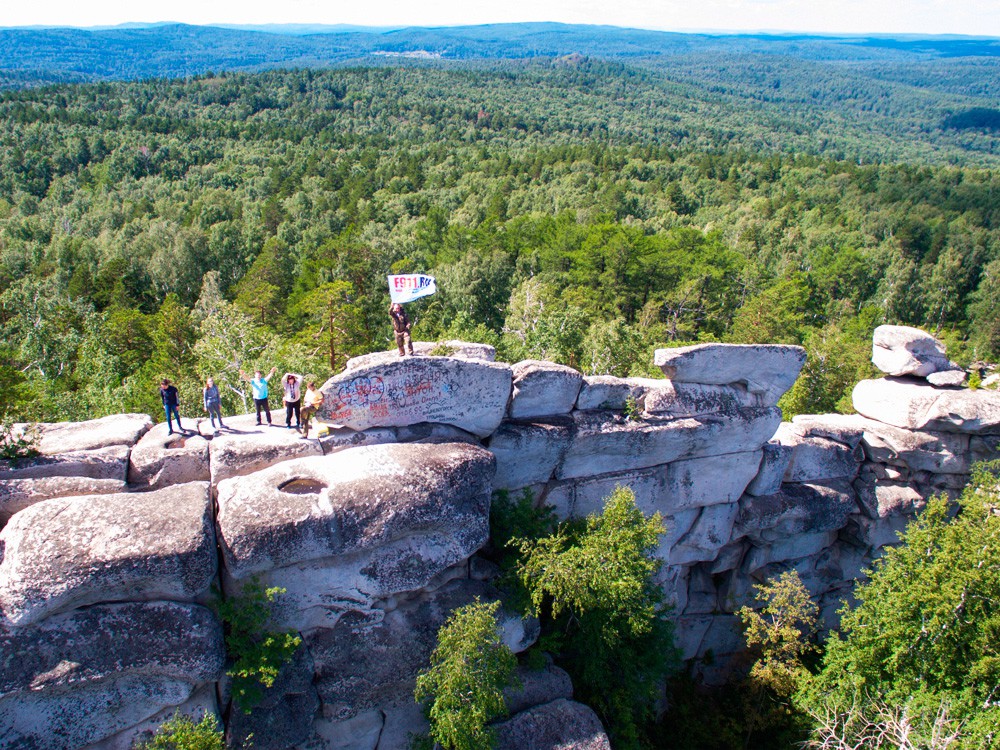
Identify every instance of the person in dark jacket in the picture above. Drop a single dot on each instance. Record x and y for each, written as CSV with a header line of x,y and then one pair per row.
x,y
213,402
401,327
168,394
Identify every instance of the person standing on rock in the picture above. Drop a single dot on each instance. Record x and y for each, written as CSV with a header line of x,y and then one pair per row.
x,y
168,395
213,402
292,399
258,384
313,400
401,327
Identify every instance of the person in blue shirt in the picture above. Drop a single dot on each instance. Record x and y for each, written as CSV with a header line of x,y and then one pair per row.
x,y
258,384
168,395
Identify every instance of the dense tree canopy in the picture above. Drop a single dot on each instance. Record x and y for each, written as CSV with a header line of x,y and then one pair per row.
x,y
583,211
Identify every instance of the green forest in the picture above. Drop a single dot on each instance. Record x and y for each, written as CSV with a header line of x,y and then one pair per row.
x,y
571,209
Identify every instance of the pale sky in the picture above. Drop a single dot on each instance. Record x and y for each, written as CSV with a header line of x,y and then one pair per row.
x,y
974,17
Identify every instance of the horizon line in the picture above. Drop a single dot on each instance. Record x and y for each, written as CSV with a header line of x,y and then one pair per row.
x,y
374,28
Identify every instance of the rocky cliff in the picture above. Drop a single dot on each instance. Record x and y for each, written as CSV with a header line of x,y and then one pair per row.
x,y
114,537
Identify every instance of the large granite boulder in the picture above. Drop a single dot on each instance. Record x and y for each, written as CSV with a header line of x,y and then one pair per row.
x,y
605,443
70,552
246,447
66,437
163,639
934,452
451,348
162,459
18,494
83,717
560,725
528,453
609,392
816,459
675,399
902,350
110,462
799,509
765,369
543,389
471,395
354,500
914,405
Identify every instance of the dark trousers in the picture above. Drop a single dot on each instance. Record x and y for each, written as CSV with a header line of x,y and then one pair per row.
x,y
261,404
215,413
172,410
292,407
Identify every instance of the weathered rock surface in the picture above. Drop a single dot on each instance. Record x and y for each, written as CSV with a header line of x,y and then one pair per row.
x,y
538,686
18,494
285,713
339,439
66,437
914,405
164,639
606,443
201,703
608,392
543,389
471,395
816,459
773,464
69,720
246,447
765,369
354,500
161,459
66,553
110,462
459,350
711,531
902,350
713,480
361,732
676,400
366,662
559,725
528,453
799,509
947,378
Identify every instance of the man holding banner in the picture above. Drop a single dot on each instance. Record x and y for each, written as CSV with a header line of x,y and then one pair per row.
x,y
406,288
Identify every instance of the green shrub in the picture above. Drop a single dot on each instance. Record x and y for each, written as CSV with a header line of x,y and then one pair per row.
x,y
922,646
469,669
594,588
181,733
257,654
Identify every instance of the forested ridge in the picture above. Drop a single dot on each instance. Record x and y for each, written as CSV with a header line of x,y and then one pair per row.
x,y
574,209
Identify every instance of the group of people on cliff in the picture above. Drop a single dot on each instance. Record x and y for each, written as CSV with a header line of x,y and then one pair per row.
x,y
291,385
259,387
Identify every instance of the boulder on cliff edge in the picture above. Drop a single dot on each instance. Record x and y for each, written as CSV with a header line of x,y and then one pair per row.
x,y
357,499
70,552
471,395
766,369
902,350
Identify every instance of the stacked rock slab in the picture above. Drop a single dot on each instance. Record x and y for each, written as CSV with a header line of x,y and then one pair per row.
x,y
372,529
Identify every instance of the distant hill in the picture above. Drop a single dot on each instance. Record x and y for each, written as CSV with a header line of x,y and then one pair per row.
x,y
137,51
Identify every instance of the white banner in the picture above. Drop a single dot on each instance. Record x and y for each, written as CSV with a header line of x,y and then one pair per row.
x,y
407,287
